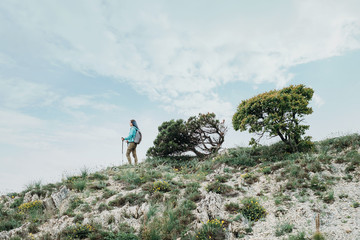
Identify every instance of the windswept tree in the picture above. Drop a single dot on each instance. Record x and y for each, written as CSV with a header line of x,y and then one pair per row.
x,y
202,135
276,113
207,132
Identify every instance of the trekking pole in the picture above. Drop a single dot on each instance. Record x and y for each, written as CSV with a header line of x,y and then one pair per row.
x,y
122,152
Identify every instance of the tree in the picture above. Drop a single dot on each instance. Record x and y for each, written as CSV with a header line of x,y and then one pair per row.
x,y
207,133
202,135
173,139
276,113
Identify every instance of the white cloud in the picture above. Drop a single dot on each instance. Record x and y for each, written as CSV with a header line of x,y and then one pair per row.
x,y
18,93
318,100
88,101
174,53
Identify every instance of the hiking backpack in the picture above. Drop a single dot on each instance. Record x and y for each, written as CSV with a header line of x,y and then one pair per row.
x,y
138,137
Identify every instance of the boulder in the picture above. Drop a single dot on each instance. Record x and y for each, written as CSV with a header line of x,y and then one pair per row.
x,y
210,207
27,197
49,205
35,197
60,196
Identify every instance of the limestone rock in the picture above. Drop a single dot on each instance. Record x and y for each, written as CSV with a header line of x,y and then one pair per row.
x,y
210,207
35,197
59,197
49,204
27,197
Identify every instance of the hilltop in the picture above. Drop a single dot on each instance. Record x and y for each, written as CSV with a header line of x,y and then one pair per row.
x,y
240,193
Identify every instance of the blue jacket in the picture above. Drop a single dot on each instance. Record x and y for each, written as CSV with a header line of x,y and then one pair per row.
x,y
132,134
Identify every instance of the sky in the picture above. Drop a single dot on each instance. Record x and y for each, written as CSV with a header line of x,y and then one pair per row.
x,y
73,73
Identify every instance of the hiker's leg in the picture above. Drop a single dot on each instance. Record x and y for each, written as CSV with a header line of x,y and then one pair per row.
x,y
128,153
134,154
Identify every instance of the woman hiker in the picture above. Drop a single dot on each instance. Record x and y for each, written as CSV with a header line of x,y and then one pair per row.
x,y
130,140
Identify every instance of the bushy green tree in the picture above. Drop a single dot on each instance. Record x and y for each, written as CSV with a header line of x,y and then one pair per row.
x,y
276,113
173,139
202,135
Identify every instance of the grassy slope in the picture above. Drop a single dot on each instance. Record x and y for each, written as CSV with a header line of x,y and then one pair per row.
x,y
191,199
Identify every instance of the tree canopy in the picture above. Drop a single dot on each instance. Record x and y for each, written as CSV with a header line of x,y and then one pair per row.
x,y
202,135
276,113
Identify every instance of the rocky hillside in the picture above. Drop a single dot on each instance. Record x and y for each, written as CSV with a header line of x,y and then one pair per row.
x,y
241,193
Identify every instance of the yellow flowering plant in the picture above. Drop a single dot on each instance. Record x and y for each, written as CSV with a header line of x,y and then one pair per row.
x,y
30,206
212,229
160,186
252,210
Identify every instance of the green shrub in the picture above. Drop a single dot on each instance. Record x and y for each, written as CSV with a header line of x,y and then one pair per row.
x,y
98,176
161,186
318,236
299,236
103,207
108,193
266,170
219,188
232,207
31,207
223,178
74,203
77,232
131,198
316,184
78,218
213,229
17,202
340,143
328,197
252,210
250,178
79,185
9,224
283,228
192,192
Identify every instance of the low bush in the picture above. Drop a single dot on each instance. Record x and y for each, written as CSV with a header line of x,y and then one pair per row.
x,y
131,198
212,229
252,210
77,232
219,188
161,186
232,207
283,228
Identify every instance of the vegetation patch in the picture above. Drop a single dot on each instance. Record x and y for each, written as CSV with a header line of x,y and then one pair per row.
x,y
131,198
232,207
252,210
219,188
212,229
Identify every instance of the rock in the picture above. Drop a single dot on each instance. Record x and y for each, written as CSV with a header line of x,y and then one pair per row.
x,y
59,197
35,197
27,197
135,211
238,227
49,205
210,207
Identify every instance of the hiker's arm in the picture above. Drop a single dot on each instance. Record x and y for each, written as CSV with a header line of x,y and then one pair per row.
x,y
131,134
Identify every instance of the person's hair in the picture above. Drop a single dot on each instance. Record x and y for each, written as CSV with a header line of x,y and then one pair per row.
x,y
134,123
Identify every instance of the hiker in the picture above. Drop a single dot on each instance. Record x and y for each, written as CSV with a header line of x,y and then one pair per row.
x,y
130,140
